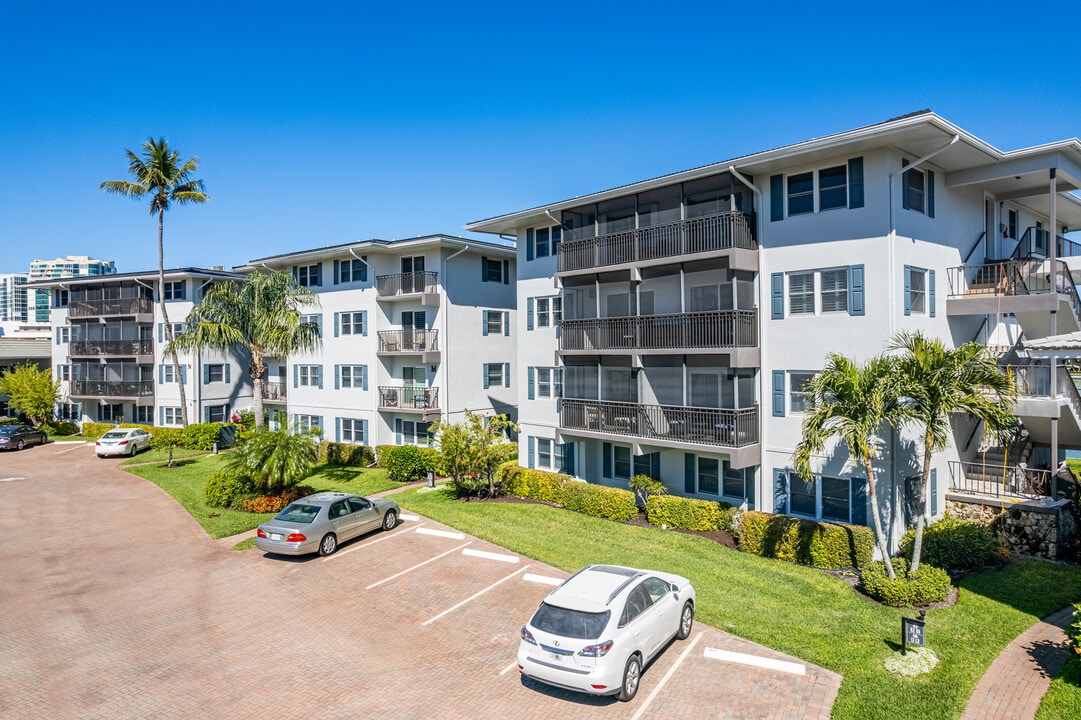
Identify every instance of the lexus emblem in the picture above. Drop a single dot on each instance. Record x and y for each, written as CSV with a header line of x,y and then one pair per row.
x,y
556,643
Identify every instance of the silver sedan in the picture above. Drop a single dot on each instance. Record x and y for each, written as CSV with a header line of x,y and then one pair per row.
x,y
319,522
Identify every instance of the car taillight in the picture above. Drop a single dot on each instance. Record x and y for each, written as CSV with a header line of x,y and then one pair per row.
x,y
295,537
528,636
122,442
259,532
98,443
598,650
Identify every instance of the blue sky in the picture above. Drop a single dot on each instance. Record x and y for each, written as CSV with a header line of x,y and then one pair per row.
x,y
324,123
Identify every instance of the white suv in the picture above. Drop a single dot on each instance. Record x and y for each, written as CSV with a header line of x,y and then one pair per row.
x,y
596,631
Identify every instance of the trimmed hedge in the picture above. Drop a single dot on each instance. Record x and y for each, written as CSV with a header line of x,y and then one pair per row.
x,y
599,501
689,513
927,585
165,436
334,453
953,544
201,436
62,427
409,463
94,430
806,542
10,421
533,484
381,452
194,437
224,488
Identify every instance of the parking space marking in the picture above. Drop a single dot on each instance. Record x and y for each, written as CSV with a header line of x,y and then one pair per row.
x,y
542,579
507,669
407,570
406,516
671,671
755,661
490,555
75,447
10,479
474,596
361,546
441,533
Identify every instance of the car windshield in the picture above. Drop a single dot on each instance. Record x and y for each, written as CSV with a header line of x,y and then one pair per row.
x,y
113,435
298,513
570,623
9,430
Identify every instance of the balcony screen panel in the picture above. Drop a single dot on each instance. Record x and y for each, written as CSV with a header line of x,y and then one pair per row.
x,y
616,215
665,384
745,299
659,207
704,298
705,390
745,389
708,196
579,223
619,386
618,305
580,381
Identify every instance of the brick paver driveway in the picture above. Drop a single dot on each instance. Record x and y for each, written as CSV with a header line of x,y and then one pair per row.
x,y
115,604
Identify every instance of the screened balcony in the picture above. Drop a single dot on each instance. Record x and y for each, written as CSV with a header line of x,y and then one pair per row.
x,y
718,427
275,391
111,348
716,330
110,301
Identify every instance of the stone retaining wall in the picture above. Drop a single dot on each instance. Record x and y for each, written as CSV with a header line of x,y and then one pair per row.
x,y
1039,528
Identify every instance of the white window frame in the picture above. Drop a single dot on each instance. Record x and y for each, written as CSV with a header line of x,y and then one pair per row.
x,y
305,423
618,450
352,323
210,372
168,373
818,292
308,375
817,485
310,275
351,376
349,271
171,415
495,322
174,290
495,375
915,294
797,396
353,431
541,452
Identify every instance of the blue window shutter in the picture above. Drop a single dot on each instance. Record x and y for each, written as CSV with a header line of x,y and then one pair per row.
x,y
859,501
531,444
206,413
58,336
184,374
606,459
530,371
337,377
296,421
484,323
161,415
931,291
319,376
364,274
364,432
296,274
689,468
506,272
364,323
529,244
568,458
908,290
529,313
337,322
161,374
337,420
206,374
506,375
337,271
296,375
226,372
748,487
934,491
161,333
930,193
319,274
776,198
484,269
855,290
364,378
904,186
778,393
397,431
780,491
506,323
485,376
776,282
855,183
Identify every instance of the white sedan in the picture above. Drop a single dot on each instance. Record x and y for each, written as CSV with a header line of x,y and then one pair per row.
x,y
123,441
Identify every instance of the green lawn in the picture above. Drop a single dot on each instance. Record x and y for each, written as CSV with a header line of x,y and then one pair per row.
x,y
184,481
162,455
797,610
59,438
1063,699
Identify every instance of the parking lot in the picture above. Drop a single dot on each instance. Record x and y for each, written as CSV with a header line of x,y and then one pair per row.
x,y
117,604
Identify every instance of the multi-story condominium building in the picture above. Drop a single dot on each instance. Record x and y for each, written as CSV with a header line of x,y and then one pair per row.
x,y
65,267
413,331
108,350
13,303
688,312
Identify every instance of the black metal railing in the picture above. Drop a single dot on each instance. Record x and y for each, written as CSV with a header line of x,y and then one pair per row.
x,y
1010,278
408,397
406,283
710,233
391,341
714,329
721,427
1017,481
275,391
112,388
1036,242
118,306
83,348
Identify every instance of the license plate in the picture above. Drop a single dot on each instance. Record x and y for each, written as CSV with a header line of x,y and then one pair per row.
x,y
557,657
276,536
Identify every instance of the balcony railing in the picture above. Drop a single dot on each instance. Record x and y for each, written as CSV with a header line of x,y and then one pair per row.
x,y
698,235
714,329
1034,381
118,306
112,388
274,391
84,348
408,397
720,427
406,283
1009,481
394,341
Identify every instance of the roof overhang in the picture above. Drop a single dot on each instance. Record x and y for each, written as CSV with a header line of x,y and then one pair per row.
x,y
145,276
368,247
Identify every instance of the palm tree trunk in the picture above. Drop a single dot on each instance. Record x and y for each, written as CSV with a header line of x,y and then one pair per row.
x,y
880,537
258,372
921,518
165,318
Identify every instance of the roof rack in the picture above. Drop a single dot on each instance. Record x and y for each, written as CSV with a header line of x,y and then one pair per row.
x,y
619,589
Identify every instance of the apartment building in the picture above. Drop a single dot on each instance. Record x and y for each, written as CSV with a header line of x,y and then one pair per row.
x,y
413,331
65,267
108,350
13,302
670,325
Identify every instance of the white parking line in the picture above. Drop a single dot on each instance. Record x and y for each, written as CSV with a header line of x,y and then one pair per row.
x,y
671,671
362,546
407,516
542,579
755,661
10,479
507,669
76,447
403,572
474,596
491,555
441,533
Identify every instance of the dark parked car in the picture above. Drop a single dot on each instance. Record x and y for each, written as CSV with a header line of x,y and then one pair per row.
x,y
16,437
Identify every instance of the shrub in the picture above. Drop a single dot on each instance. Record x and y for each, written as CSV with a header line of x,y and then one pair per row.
x,y
806,542
271,503
94,430
646,485
689,513
406,463
927,585
333,453
62,427
201,436
599,501
381,453
953,544
533,484
224,488
165,436
10,421
433,460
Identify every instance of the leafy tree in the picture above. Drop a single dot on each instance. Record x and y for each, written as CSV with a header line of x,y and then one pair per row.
x,y
474,448
275,460
31,392
160,174
262,315
938,382
646,485
852,403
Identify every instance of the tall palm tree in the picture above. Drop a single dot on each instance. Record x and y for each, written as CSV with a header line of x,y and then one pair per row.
x,y
261,314
939,381
853,403
160,174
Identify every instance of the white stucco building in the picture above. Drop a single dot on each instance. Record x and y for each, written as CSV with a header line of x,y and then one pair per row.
x,y
669,325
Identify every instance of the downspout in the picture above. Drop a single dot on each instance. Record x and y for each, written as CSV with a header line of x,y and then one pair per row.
x,y
445,365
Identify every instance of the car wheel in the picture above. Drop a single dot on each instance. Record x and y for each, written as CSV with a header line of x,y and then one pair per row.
x,y
328,544
44,439
686,621
390,520
131,450
20,445
632,674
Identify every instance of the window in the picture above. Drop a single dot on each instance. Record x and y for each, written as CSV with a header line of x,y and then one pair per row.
x,y
1011,227
734,482
917,291
836,503
543,316
171,415
494,322
810,292
309,275
621,461
144,414
801,293
544,382
709,476
801,198
316,320
413,432
63,335
111,413
496,375
213,374
352,376
832,188
167,374
60,298
835,290
544,453
826,498
174,290
353,323
542,243
353,431
306,423
797,389
68,411
352,271
637,603
914,190
309,375
63,372
557,310
492,270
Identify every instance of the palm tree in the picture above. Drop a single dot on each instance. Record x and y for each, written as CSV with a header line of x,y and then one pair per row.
x,y
938,382
159,174
275,460
851,402
261,314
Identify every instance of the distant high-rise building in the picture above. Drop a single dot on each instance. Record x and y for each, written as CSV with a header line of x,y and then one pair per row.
x,y
13,298
70,266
